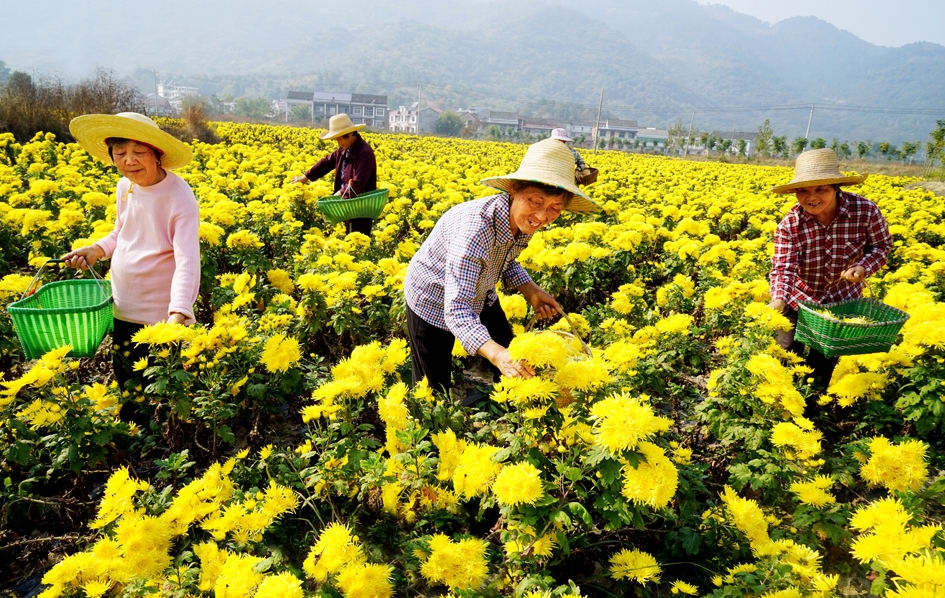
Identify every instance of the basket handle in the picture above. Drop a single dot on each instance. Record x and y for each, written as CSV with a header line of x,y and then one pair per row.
x,y
30,290
574,331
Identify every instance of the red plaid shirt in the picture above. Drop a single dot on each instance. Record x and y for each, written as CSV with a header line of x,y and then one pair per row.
x,y
809,257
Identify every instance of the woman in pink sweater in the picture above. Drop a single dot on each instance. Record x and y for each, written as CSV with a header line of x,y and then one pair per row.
x,y
155,246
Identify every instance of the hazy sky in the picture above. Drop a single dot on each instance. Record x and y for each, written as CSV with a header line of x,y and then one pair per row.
x,y
880,22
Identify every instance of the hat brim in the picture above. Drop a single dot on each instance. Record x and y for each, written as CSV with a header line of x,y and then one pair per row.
x,y
795,185
580,202
339,133
91,131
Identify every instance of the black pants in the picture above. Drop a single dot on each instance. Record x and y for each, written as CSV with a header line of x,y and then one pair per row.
x,y
359,225
131,383
822,365
431,348
125,353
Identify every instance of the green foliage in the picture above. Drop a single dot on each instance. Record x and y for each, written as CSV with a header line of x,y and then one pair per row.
x,y
920,399
449,124
54,427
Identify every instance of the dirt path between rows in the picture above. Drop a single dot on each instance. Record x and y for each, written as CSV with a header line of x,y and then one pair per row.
x,y
936,187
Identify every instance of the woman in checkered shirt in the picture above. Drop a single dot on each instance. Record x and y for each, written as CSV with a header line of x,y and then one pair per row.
x,y
824,248
450,286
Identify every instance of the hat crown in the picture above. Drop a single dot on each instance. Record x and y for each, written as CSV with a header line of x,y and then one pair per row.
x,y
817,167
817,164
339,121
138,117
340,124
552,161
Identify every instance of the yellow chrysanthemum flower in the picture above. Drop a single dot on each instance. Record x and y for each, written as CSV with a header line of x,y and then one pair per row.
x,y
896,467
814,492
634,565
117,498
653,481
457,565
366,580
280,585
622,421
518,483
280,353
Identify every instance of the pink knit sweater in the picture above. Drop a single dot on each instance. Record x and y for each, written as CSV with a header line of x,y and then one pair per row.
x,y
155,251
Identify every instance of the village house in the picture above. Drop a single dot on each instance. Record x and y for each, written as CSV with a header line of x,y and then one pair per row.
x,y
175,94
407,119
363,108
617,132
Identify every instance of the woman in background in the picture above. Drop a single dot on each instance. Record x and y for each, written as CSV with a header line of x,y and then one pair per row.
x,y
353,162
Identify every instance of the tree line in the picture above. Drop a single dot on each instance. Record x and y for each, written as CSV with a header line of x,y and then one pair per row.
x,y
768,145
28,107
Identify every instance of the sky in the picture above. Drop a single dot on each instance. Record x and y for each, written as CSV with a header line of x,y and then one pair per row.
x,y
890,23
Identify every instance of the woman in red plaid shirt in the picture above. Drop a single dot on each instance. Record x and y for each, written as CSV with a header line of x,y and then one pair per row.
x,y
824,248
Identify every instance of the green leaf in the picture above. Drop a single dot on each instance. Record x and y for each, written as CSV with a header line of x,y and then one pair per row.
x,y
578,510
573,474
561,519
226,434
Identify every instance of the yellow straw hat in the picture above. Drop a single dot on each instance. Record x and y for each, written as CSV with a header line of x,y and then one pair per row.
x,y
549,162
817,167
91,131
340,124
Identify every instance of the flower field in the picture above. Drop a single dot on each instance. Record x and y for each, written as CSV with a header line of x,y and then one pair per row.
x,y
288,455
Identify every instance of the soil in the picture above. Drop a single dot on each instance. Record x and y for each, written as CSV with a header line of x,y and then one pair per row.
x,y
936,187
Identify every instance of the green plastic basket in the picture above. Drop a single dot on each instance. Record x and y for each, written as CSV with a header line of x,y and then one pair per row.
x,y
68,312
366,205
832,336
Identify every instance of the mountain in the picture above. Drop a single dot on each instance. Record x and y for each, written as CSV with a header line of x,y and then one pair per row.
x,y
655,62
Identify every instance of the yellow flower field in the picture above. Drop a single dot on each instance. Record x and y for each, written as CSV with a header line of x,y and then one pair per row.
x,y
289,456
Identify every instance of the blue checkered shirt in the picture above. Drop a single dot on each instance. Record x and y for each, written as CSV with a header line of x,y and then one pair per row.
x,y
455,272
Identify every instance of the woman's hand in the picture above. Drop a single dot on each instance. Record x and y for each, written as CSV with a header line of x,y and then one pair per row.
x,y
300,179
83,257
544,304
500,358
854,274
778,305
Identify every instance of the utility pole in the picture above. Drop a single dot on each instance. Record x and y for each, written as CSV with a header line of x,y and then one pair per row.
x,y
600,106
689,135
809,119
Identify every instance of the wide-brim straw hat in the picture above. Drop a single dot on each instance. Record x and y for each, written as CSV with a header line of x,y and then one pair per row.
x,y
340,124
91,131
817,167
549,162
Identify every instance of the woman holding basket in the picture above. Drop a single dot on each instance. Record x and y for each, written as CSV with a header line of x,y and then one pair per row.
x,y
824,248
353,162
155,245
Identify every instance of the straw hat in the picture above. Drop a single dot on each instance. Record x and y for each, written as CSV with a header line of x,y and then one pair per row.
x,y
817,167
91,131
560,134
340,124
549,162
